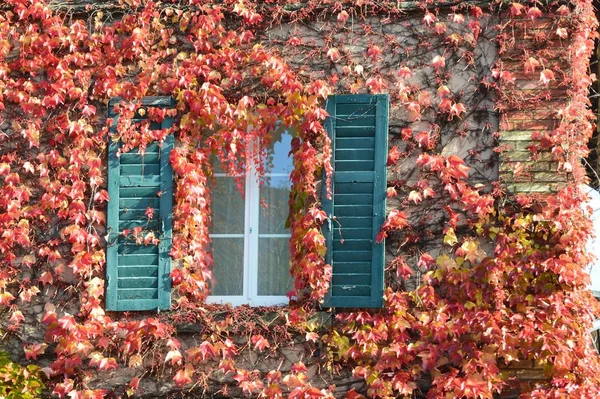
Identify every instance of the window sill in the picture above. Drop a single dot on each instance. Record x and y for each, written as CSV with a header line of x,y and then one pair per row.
x,y
241,300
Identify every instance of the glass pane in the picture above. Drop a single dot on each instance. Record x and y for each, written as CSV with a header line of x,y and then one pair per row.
x,y
274,266
277,159
273,208
227,208
228,271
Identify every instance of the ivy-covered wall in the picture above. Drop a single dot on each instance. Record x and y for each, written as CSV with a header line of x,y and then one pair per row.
x,y
485,290
434,110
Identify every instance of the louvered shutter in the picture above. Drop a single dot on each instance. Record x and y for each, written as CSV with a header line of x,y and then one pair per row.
x,y
357,126
138,275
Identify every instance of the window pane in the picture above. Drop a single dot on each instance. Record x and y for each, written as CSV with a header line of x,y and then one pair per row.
x,y
277,159
274,266
227,208
228,271
273,208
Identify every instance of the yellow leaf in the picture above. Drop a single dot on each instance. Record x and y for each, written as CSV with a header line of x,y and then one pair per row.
x,y
450,237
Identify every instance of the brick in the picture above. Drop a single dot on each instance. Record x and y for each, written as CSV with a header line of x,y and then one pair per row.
x,y
516,115
508,166
537,124
524,156
510,177
520,145
505,125
529,188
543,166
534,83
549,177
515,135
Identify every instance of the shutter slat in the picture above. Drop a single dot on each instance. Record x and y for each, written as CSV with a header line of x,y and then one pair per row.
x,y
352,188
355,109
341,100
134,158
355,154
140,181
355,178
353,267
352,255
353,210
140,169
138,192
351,290
353,166
355,142
133,249
138,271
354,222
138,293
356,131
139,203
137,304
350,279
152,147
354,199
347,233
145,224
357,126
357,120
135,214
138,259
137,282
354,245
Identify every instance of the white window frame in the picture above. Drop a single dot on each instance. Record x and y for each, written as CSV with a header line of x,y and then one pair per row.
x,y
251,237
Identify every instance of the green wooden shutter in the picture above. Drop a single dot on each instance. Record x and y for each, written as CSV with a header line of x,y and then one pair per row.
x,y
138,275
357,126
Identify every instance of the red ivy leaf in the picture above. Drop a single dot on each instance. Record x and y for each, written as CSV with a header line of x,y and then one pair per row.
x,y
184,376
393,156
260,342
546,76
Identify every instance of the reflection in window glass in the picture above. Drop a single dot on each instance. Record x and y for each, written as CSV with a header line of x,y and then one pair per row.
x,y
277,159
228,273
227,207
273,266
273,209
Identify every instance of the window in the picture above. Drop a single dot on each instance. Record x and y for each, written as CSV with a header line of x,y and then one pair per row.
x,y
137,271
358,127
250,240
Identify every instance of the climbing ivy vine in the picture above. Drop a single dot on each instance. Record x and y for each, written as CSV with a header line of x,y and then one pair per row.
x,y
508,286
